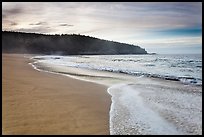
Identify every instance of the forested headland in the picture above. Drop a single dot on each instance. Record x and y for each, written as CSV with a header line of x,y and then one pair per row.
x,y
65,44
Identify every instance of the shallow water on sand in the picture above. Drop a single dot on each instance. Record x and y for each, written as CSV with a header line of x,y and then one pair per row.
x,y
142,105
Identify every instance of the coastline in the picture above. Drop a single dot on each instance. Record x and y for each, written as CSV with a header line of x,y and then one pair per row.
x,y
36,102
141,105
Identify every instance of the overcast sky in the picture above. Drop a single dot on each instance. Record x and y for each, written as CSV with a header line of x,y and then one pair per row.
x,y
157,27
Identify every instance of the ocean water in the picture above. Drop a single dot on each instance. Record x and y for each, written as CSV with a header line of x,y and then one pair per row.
x,y
151,94
184,68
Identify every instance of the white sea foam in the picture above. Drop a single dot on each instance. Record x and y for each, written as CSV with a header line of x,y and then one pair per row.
x,y
187,69
140,105
154,109
130,115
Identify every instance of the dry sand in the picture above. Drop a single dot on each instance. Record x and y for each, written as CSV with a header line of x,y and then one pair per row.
x,y
43,103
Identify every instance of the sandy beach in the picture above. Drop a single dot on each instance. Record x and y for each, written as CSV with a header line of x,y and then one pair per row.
x,y
43,103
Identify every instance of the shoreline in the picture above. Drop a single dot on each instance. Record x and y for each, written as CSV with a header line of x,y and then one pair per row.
x,y
151,100
31,104
138,96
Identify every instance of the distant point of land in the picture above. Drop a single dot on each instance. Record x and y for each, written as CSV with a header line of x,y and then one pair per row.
x,y
65,44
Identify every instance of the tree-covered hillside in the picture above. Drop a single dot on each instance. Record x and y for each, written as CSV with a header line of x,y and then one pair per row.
x,y
19,42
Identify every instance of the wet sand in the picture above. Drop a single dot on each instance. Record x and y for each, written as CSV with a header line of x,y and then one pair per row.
x,y
36,102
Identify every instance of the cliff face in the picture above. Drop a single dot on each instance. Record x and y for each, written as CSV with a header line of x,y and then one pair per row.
x,y
18,42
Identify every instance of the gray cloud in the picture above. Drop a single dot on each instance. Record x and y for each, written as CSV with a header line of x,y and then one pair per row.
x,y
15,10
3,15
116,14
38,29
66,25
10,12
38,23
9,23
13,24
102,17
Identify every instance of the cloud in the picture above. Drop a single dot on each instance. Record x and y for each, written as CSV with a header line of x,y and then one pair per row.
x,y
98,16
65,24
38,29
38,23
13,24
15,11
3,15
8,24
104,19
